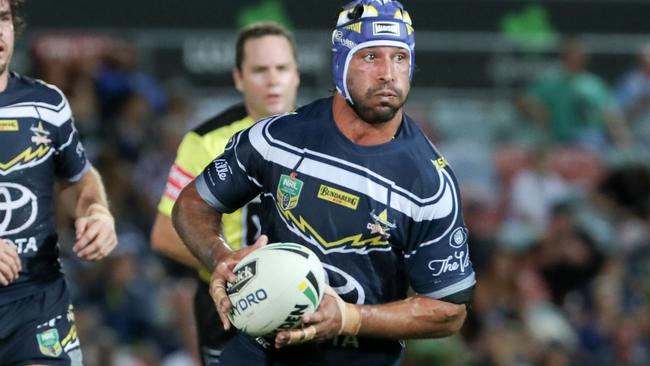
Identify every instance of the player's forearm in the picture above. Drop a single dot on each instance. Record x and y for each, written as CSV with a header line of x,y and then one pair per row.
x,y
166,241
415,317
199,226
90,194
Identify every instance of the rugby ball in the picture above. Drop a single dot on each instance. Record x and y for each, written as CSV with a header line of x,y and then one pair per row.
x,y
276,285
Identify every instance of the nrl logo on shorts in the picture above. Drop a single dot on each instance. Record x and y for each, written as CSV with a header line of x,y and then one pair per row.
x,y
48,343
244,275
289,188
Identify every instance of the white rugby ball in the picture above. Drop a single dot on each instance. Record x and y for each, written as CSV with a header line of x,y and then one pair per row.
x,y
276,285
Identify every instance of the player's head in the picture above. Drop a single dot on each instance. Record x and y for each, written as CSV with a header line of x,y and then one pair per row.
x,y
373,33
10,22
266,69
369,23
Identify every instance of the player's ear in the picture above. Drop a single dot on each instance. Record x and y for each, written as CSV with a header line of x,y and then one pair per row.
x,y
237,78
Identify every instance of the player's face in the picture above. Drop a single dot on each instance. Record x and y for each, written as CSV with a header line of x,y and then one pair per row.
x,y
378,82
6,36
268,77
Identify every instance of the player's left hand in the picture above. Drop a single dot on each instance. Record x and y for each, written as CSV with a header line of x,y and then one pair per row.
x,y
95,233
333,317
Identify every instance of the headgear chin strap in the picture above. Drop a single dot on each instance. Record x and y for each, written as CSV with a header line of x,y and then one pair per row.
x,y
369,23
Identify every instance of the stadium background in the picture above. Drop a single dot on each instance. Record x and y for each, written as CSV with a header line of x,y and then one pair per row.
x,y
559,230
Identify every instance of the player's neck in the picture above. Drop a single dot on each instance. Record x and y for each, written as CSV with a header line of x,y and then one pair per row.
x,y
359,131
4,81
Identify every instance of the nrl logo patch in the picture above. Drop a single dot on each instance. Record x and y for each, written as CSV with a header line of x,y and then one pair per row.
x,y
244,275
48,343
385,29
289,188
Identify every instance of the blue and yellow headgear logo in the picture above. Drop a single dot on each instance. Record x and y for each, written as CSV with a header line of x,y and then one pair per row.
x,y
368,23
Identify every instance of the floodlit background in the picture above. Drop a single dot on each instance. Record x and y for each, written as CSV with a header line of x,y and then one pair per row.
x,y
554,166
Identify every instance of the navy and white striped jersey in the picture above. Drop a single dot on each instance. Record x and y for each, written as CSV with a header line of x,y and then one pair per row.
x,y
39,144
381,218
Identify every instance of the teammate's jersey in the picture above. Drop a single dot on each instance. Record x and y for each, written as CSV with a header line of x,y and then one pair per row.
x,y
40,144
198,148
382,218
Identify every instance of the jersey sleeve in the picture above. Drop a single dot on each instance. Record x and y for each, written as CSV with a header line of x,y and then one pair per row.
x,y
232,179
191,158
70,155
437,257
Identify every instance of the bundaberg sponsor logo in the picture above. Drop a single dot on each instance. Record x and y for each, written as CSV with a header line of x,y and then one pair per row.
x,y
338,197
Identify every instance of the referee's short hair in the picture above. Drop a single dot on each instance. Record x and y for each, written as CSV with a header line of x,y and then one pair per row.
x,y
258,30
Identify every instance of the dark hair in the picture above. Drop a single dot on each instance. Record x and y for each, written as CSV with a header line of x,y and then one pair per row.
x,y
258,30
17,18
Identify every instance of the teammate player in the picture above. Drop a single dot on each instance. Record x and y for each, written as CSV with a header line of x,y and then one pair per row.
x,y
40,146
354,179
266,73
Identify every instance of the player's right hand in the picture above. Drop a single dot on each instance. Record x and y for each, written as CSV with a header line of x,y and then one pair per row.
x,y
223,273
10,264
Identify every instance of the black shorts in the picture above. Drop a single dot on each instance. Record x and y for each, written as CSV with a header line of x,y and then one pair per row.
x,y
40,329
242,350
212,337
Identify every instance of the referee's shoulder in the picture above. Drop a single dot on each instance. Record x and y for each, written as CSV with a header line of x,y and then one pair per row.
x,y
222,120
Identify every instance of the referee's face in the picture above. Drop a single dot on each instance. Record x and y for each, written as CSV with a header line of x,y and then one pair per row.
x,y
378,82
268,77
6,36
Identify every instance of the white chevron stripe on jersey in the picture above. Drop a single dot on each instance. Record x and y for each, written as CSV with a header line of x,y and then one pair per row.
x,y
442,203
56,115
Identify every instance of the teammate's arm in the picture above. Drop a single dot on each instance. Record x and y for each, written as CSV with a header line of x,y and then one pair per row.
x,y
94,224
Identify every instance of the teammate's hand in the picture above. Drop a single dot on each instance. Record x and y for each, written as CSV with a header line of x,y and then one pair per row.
x,y
332,318
95,233
223,272
9,263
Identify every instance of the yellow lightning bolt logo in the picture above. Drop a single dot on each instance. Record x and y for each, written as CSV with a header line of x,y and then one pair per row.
x,y
26,156
354,241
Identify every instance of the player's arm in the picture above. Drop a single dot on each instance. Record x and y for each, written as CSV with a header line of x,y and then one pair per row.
x,y
199,226
222,187
415,317
166,241
94,223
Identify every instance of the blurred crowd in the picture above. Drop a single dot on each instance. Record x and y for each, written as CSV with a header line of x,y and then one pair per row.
x,y
557,202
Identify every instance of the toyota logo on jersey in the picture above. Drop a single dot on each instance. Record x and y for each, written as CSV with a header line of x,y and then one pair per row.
x,y
18,208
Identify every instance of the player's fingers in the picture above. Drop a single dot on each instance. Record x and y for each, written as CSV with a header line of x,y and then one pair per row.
x,y
4,280
315,317
296,336
224,270
221,300
10,256
80,226
261,241
87,236
9,266
104,244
